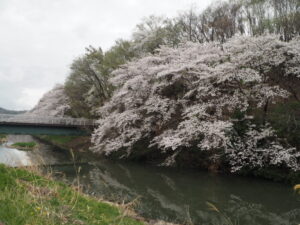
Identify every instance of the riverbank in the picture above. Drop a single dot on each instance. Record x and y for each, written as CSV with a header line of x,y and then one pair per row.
x,y
28,198
76,143
24,146
81,144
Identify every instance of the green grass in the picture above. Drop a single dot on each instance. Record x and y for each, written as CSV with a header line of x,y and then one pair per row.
x,y
27,198
25,145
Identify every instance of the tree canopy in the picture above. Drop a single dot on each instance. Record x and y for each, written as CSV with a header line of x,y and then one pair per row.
x,y
87,85
189,98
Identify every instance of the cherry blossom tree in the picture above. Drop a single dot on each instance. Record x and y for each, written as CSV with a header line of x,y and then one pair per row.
x,y
53,103
185,98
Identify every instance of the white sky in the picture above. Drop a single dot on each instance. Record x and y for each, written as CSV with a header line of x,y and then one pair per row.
x,y
40,38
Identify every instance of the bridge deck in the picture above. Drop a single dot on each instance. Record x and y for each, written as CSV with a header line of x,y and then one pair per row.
x,y
31,120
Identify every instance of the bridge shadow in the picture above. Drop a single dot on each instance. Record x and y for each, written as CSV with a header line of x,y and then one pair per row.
x,y
44,130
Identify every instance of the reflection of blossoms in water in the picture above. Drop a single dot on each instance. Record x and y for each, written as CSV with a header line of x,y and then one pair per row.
x,y
176,197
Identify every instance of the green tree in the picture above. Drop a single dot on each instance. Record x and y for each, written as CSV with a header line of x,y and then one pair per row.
x,y
117,55
87,86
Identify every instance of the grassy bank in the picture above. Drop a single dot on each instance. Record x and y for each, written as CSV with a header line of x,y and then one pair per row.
x,y
27,198
24,145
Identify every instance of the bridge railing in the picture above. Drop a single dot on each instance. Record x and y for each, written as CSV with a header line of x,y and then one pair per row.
x,y
45,120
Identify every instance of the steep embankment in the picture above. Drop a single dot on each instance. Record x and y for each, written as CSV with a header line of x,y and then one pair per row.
x,y
207,105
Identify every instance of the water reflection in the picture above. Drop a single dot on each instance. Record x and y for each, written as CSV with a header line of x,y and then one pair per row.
x,y
181,196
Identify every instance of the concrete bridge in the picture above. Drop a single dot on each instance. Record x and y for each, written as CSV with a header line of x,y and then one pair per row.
x,y
44,121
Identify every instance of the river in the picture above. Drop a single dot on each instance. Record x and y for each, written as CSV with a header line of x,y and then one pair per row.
x,y
175,195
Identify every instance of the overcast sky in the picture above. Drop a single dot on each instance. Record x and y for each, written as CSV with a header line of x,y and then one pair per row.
x,y
40,38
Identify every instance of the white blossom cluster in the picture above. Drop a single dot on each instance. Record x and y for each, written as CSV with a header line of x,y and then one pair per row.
x,y
260,147
184,98
53,103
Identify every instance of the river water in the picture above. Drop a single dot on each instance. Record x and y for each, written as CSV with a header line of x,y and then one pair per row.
x,y
180,196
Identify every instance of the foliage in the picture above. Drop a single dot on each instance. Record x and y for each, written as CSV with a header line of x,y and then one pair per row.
x,y
26,198
117,55
86,85
185,98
